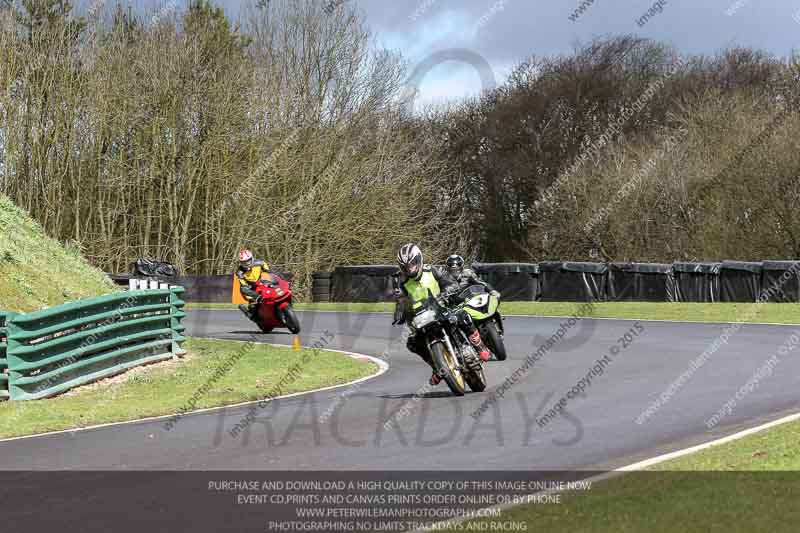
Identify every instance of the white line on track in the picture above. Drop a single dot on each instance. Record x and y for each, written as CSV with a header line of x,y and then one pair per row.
x,y
383,366
641,465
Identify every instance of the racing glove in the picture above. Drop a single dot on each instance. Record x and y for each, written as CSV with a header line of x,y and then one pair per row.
x,y
250,293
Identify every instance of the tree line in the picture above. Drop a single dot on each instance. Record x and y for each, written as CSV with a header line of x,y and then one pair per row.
x,y
181,136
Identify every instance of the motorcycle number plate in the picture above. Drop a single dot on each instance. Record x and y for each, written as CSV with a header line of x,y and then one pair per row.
x,y
424,318
479,301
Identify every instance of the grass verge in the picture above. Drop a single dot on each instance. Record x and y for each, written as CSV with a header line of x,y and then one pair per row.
x,y
750,484
163,389
697,312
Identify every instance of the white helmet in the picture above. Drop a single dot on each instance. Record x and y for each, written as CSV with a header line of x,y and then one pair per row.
x,y
409,259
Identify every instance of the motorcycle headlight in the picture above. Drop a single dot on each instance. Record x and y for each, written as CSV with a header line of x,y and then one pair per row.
x,y
423,319
479,301
453,319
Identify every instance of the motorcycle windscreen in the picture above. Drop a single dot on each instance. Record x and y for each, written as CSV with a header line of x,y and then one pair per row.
x,y
471,292
478,302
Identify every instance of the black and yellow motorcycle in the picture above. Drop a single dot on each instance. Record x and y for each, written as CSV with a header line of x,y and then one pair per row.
x,y
454,357
482,306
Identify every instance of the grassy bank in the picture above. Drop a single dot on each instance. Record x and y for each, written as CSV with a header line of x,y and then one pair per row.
x,y
37,271
750,484
165,388
697,312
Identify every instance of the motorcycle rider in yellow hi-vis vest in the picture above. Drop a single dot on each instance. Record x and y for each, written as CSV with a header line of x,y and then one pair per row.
x,y
413,283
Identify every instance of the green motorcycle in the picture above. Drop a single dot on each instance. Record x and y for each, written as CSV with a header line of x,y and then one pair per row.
x,y
482,306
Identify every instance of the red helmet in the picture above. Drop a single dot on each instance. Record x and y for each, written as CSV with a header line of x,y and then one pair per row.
x,y
245,258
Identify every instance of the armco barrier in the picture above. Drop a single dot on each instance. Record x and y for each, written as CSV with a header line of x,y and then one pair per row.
x,y
4,315
53,350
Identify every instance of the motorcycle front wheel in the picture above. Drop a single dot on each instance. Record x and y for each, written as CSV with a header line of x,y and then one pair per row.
x,y
291,320
476,380
495,341
262,327
447,364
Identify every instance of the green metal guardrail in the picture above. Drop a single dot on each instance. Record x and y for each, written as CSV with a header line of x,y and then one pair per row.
x,y
54,350
4,315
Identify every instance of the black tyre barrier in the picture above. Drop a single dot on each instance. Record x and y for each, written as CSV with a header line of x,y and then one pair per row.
x,y
514,281
780,281
572,281
739,281
697,282
728,281
641,282
366,283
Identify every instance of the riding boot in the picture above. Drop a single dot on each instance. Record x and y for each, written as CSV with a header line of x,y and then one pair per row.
x,y
477,342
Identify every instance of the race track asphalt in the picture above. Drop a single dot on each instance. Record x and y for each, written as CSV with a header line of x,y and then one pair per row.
x,y
345,428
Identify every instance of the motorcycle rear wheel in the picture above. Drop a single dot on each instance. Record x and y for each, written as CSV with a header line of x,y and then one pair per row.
x,y
447,364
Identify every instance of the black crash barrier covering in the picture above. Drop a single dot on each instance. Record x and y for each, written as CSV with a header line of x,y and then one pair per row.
x,y
641,282
697,282
364,283
199,289
572,281
780,281
514,281
205,289
739,281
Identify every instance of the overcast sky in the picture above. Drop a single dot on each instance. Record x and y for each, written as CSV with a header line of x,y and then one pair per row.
x,y
505,32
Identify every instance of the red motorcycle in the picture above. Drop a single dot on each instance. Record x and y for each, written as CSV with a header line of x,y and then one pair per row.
x,y
275,304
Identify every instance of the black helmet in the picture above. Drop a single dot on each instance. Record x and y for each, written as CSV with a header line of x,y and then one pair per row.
x,y
455,264
409,259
